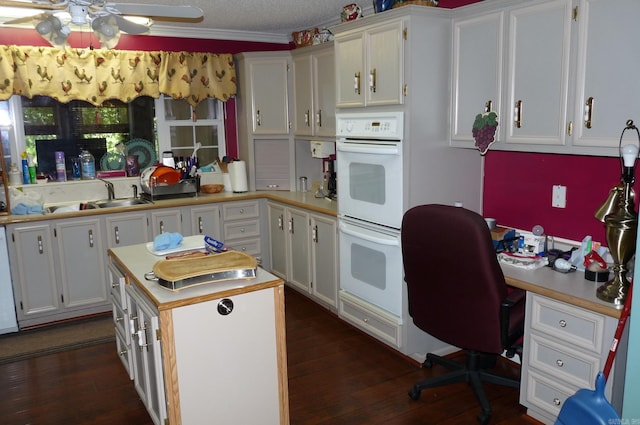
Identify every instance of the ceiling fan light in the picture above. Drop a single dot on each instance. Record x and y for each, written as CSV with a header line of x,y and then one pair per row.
x,y
107,30
44,27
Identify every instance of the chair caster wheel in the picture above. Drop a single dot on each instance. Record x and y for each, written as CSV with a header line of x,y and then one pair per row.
x,y
427,363
414,393
483,417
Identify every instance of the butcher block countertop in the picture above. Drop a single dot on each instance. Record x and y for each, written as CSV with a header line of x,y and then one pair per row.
x,y
136,260
299,199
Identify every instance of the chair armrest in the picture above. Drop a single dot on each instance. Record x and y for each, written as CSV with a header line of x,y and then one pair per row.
x,y
512,317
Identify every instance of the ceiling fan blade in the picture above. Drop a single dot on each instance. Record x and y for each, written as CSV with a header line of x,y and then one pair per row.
x,y
130,27
23,20
36,4
157,10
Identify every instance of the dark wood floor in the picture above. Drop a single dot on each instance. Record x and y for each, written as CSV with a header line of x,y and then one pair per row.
x,y
337,375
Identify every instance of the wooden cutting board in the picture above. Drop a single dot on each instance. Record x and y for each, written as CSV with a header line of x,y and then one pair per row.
x,y
183,268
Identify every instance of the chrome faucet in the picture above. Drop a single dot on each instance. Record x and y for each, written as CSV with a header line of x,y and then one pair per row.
x,y
111,193
135,190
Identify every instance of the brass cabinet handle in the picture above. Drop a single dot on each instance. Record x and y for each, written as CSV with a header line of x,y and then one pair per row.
x,y
488,105
518,114
356,82
588,112
372,80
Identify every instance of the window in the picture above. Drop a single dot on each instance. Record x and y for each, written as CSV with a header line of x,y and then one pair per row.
x,y
181,127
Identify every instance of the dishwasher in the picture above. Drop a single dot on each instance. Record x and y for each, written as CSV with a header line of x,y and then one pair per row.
x,y
8,321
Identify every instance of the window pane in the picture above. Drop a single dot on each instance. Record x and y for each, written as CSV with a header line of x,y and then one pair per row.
x,y
177,109
182,137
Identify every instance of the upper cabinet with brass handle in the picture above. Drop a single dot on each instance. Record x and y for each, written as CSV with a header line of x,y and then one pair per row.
x,y
370,65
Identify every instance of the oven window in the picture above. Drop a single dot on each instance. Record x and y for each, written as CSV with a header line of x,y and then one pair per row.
x,y
367,182
368,266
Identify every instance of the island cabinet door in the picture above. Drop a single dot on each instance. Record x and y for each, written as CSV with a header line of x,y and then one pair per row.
x,y
228,354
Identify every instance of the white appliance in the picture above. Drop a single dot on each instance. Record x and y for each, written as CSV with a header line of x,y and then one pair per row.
x,y
8,322
370,171
371,264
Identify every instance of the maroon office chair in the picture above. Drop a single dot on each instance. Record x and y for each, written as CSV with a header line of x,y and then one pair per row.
x,y
457,293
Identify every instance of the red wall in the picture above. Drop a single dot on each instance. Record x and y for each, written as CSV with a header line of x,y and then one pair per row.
x,y
517,191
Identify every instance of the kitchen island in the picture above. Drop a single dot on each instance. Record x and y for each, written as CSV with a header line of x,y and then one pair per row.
x,y
204,353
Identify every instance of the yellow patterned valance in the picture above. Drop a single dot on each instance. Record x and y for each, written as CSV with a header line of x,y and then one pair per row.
x,y
97,75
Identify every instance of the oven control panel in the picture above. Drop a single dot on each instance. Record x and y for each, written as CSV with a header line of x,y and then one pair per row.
x,y
379,125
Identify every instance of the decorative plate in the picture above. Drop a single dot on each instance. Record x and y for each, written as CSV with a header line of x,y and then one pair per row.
x,y
144,149
112,161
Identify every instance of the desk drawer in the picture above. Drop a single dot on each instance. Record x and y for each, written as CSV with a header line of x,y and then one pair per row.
x,y
373,322
544,394
577,368
241,229
570,324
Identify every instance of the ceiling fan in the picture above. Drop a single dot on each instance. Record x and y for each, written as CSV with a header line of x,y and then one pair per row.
x,y
106,19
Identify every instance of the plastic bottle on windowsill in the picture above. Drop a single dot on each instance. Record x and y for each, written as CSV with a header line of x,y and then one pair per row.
x,y
88,165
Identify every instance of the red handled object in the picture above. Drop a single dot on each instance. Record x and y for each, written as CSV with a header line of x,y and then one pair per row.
x,y
594,258
590,407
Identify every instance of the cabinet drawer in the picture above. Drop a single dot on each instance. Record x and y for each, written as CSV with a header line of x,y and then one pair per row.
x,y
369,320
241,229
240,210
560,361
250,246
120,319
570,324
117,284
545,394
124,352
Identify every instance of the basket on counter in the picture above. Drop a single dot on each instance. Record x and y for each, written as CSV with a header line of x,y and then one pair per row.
x,y
400,3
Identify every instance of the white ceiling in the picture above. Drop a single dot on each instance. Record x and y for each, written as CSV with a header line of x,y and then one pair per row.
x,y
255,20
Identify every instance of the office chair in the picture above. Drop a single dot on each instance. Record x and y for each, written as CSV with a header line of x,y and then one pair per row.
x,y
457,293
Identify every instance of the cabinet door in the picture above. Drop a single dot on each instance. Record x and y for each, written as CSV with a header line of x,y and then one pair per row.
x,y
298,229
278,252
477,67
82,265
539,39
206,221
302,95
324,254
384,78
608,84
325,93
33,270
350,79
126,229
166,221
269,95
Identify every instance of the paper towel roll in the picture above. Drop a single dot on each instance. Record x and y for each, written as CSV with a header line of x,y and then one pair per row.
x,y
238,174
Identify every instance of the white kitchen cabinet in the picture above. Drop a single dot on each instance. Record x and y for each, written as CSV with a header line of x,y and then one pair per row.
x,y
565,348
608,87
32,259
120,312
324,259
369,65
304,251
314,91
57,270
146,353
82,262
265,140
126,228
205,220
477,72
166,220
539,54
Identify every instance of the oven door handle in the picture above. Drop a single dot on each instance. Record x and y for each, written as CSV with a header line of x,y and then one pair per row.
x,y
369,148
390,241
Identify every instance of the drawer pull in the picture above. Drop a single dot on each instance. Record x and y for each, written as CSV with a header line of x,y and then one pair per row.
x,y
563,323
119,319
123,353
556,401
560,363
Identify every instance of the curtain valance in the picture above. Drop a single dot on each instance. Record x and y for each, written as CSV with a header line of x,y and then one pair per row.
x,y
97,75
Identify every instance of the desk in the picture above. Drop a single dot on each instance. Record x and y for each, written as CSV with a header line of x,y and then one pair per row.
x,y
568,332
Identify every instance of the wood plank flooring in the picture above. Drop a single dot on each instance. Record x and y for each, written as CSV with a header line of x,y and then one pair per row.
x,y
337,375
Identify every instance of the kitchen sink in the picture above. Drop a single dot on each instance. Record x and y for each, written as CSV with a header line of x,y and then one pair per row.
x,y
120,202
92,205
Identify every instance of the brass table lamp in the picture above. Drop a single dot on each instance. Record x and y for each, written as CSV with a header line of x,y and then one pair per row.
x,y
621,223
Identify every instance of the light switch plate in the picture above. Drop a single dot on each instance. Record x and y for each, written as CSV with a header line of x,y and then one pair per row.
x,y
559,196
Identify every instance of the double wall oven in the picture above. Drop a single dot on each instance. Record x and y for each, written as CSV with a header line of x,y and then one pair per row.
x,y
369,153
